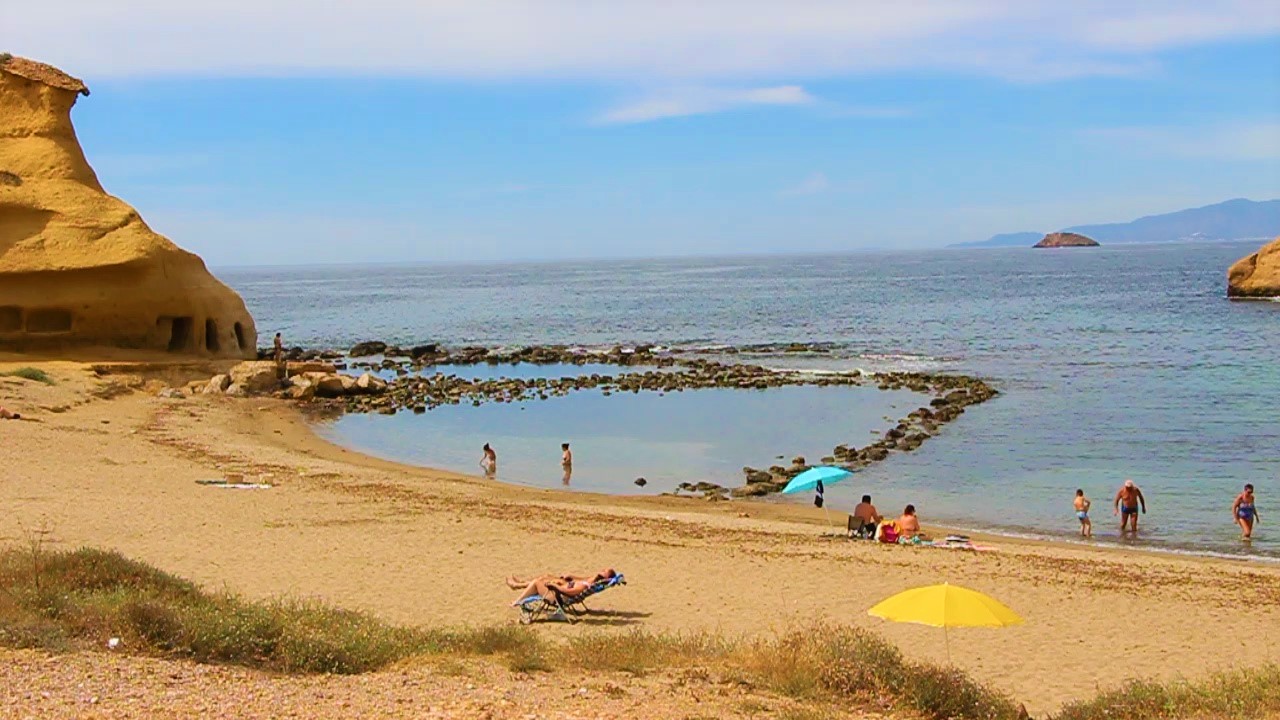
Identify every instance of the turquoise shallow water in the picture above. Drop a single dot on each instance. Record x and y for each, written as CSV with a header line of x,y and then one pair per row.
x,y
1113,362
679,437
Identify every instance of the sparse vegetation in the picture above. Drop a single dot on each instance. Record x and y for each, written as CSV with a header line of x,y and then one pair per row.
x,y
1234,695
5,57
61,600
30,373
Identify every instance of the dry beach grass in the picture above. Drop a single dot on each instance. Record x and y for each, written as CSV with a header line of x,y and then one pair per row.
x,y
100,462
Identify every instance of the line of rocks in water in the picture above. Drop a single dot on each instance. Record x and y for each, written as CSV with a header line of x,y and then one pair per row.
x,y
668,372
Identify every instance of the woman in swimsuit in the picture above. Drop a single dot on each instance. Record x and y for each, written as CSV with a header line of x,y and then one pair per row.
x,y
1245,513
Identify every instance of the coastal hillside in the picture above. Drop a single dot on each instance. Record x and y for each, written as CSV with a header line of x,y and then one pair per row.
x,y
1238,219
79,267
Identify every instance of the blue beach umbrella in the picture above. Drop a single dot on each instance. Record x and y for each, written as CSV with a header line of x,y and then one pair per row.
x,y
810,478
815,477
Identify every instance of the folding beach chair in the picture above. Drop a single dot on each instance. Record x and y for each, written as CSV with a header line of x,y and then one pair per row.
x,y
563,607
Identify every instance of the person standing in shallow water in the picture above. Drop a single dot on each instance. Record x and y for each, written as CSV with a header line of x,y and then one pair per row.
x,y
1082,504
1245,513
489,461
1128,499
566,462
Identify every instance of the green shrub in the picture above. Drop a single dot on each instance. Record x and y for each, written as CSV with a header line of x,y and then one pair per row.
x,y
30,373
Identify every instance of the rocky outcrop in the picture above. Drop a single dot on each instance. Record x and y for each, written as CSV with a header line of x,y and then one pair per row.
x,y
299,381
1065,239
79,267
1258,275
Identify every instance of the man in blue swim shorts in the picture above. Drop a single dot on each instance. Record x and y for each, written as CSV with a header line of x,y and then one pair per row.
x,y
1128,500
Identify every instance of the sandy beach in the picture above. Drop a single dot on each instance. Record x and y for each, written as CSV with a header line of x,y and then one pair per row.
x,y
99,460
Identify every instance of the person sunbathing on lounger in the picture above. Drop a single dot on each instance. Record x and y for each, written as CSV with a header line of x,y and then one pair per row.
x,y
516,583
549,589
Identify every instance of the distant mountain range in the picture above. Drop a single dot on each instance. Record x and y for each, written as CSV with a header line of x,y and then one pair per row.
x,y
1237,219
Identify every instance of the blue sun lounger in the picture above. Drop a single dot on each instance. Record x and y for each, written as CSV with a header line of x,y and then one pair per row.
x,y
561,606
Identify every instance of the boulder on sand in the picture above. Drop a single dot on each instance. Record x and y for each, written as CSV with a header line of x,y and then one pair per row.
x,y
217,385
331,386
255,376
1258,275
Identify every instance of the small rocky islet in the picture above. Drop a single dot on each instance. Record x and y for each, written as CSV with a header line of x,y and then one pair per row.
x,y
1065,239
314,377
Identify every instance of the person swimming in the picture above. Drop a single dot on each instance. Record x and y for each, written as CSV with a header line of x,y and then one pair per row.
x,y
1082,504
1245,513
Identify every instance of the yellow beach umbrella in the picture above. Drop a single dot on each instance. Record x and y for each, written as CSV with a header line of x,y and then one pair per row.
x,y
945,606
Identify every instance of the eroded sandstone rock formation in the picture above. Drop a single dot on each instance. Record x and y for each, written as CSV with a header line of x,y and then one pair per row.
x,y
1065,239
1257,275
79,267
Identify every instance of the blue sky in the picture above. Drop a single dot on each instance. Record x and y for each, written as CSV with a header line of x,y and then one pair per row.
x,y
324,131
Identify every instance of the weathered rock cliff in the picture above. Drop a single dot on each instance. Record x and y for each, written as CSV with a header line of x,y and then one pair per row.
x,y
1257,275
79,267
1065,239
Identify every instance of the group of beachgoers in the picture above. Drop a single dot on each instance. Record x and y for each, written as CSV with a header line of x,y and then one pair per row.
x,y
866,521
1129,502
489,462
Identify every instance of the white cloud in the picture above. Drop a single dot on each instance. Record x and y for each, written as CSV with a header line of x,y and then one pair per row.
x,y
1240,141
677,42
679,102
811,185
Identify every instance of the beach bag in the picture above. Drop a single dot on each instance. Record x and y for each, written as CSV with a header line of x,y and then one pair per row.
x,y
888,533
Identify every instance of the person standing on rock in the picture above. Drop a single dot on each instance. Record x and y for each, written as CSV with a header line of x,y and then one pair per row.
x,y
277,354
1128,499
489,461
1245,513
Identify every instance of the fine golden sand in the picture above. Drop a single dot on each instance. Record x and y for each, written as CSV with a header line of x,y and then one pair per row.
x,y
101,461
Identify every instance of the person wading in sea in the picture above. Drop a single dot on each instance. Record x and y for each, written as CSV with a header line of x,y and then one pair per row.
x,y
1082,504
1128,499
566,462
1245,513
489,461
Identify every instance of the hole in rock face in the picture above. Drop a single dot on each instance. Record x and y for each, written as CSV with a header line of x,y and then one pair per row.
x,y
239,335
211,336
49,320
10,318
179,332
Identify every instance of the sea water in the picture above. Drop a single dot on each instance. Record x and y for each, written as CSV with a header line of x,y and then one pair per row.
x,y
1114,362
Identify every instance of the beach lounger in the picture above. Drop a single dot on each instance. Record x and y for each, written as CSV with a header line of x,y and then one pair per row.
x,y
561,606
